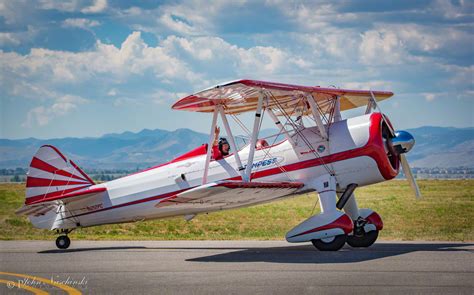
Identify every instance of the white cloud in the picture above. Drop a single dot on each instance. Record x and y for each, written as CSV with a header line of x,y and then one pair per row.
x,y
178,25
62,106
449,10
98,6
112,92
214,52
428,39
189,18
134,57
125,101
163,97
429,97
381,48
313,15
371,85
61,5
8,39
459,75
82,23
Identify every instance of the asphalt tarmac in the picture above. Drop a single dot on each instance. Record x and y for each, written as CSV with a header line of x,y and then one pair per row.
x,y
236,267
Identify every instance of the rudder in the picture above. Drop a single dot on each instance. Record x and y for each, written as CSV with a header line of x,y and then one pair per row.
x,y
52,174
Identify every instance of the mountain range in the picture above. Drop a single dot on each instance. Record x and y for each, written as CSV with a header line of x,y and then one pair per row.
x,y
436,147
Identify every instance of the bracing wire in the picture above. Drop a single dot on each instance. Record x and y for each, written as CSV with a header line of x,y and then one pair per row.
x,y
305,140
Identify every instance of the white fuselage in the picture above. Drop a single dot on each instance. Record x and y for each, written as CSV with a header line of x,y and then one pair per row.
x,y
135,197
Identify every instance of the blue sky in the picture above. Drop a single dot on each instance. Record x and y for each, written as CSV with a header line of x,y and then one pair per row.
x,y
86,68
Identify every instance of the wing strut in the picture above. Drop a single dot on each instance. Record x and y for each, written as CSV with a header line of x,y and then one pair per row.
x,y
255,131
317,117
337,109
209,146
240,168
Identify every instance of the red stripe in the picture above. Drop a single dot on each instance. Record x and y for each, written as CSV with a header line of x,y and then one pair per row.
x,y
261,184
46,197
82,172
53,198
42,165
57,151
343,222
38,182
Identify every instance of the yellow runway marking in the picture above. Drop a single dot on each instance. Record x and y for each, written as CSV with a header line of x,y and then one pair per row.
x,y
69,290
12,284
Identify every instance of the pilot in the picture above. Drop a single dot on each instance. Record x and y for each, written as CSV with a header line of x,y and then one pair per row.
x,y
220,146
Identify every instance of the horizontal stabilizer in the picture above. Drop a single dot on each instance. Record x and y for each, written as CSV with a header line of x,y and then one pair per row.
x,y
74,196
36,210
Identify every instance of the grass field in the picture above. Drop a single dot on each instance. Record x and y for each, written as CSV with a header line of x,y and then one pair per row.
x,y
445,213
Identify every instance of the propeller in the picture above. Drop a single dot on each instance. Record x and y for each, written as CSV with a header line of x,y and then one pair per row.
x,y
403,142
409,176
399,143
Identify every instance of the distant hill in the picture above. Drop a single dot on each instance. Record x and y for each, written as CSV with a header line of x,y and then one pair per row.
x,y
442,147
435,147
126,150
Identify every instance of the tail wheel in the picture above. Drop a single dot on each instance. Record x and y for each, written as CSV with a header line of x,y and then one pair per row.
x,y
363,240
330,244
63,242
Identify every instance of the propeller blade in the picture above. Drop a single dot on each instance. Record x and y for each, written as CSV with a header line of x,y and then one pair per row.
x,y
409,175
374,102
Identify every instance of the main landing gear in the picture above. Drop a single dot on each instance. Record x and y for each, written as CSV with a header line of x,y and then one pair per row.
x,y
367,224
332,229
360,238
330,244
63,241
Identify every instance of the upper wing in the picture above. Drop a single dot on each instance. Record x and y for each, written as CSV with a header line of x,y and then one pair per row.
x,y
227,194
242,96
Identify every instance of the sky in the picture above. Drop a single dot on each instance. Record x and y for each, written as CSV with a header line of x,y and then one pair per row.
x,y
82,68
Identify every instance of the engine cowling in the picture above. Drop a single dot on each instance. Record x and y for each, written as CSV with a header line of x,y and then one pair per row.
x,y
364,147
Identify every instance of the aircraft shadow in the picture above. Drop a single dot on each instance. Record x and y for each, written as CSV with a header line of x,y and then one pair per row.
x,y
308,254
72,250
294,254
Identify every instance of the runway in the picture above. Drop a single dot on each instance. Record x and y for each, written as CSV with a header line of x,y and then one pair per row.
x,y
238,267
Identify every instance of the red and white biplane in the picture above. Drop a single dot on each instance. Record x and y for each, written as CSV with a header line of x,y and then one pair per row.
x,y
319,152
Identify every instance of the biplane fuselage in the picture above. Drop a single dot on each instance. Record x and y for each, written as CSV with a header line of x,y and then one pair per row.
x,y
355,155
331,159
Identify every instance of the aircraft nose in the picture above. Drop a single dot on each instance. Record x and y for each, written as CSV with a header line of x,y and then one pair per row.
x,y
403,141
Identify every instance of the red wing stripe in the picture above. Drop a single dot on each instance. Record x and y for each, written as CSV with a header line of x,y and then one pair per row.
x,y
42,165
38,182
41,197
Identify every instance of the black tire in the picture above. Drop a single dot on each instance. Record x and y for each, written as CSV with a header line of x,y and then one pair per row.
x,y
63,242
334,245
363,241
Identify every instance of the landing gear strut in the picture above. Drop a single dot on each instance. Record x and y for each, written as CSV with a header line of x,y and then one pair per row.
x,y
63,241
